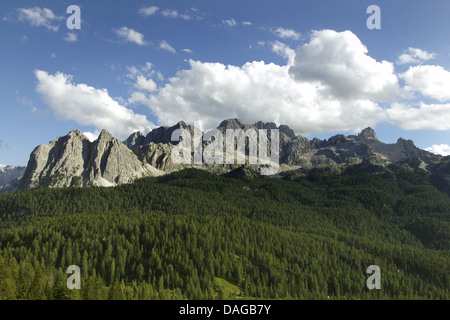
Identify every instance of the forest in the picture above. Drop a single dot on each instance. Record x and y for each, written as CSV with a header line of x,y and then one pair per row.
x,y
196,235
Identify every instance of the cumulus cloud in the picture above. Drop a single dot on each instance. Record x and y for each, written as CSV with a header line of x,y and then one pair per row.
x,y
187,51
130,35
329,84
144,84
442,149
211,92
339,61
164,45
38,17
71,37
287,33
148,11
430,81
425,117
415,56
88,106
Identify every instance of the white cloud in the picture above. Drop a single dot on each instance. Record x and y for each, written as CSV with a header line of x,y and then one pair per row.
x,y
71,37
38,17
144,84
187,51
407,59
230,22
148,11
339,61
164,45
92,136
261,43
329,84
287,33
88,106
425,117
247,23
430,81
415,56
284,51
422,54
53,55
442,149
170,13
211,92
185,16
130,35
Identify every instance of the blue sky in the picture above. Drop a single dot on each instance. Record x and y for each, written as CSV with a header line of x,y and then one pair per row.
x,y
313,65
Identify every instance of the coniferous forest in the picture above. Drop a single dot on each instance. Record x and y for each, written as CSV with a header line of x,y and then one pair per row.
x,y
196,235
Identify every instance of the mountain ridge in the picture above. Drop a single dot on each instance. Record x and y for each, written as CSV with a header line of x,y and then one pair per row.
x,y
73,160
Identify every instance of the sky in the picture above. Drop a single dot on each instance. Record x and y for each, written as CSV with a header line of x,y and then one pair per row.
x,y
321,67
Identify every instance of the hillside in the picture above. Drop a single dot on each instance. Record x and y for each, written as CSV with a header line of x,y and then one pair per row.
x,y
196,235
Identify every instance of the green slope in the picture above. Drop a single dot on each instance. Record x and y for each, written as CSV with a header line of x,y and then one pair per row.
x,y
199,236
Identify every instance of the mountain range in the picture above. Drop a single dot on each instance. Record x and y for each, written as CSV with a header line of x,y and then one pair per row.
x,y
10,178
73,160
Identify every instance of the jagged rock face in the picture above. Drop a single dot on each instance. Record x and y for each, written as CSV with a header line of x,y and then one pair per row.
x,y
402,150
157,155
368,134
294,150
57,163
164,134
352,149
9,174
135,140
73,160
233,124
111,162
10,178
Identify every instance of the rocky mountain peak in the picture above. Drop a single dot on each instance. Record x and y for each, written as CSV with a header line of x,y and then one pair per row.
x,y
368,134
105,135
405,142
135,140
181,125
76,133
73,160
232,124
10,178
287,131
